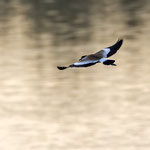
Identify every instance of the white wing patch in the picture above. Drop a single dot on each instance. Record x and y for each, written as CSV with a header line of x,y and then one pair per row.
x,y
102,60
106,51
84,62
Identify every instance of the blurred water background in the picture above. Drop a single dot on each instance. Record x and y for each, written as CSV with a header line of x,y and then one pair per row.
x,y
96,108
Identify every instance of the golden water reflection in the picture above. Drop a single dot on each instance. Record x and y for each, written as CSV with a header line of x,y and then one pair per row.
x,y
100,107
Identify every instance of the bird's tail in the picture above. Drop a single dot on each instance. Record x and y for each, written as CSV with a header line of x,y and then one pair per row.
x,y
109,62
61,68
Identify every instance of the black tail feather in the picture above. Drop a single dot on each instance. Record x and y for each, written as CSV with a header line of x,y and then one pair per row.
x,y
109,62
61,68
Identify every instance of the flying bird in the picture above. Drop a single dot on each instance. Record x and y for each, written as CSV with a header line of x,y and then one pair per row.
x,y
98,57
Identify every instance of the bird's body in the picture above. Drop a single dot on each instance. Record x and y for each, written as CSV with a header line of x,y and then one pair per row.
x,y
98,57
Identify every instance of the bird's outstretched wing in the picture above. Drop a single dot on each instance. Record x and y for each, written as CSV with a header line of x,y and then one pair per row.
x,y
111,50
85,61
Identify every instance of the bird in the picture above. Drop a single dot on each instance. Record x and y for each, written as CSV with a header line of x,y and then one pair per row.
x,y
98,57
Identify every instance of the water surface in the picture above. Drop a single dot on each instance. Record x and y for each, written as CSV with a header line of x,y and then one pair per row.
x,y
101,107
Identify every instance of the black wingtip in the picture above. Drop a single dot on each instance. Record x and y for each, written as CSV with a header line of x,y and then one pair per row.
x,y
114,48
61,68
118,44
120,40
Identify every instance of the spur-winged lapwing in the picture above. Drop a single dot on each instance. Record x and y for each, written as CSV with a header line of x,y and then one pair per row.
x,y
99,57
